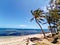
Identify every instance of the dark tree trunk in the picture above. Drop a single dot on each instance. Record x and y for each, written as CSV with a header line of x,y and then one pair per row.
x,y
50,28
41,28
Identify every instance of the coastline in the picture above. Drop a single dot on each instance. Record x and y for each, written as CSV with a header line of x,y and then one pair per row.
x,y
18,40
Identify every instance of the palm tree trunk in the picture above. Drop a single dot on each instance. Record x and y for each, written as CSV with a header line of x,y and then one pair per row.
x,y
50,28
41,28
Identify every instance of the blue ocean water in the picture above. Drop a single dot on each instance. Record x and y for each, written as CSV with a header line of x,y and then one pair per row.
x,y
19,32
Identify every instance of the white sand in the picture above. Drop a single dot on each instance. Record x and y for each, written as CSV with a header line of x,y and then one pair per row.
x,y
18,40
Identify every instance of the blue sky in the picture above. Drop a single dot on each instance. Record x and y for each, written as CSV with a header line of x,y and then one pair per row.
x,y
16,13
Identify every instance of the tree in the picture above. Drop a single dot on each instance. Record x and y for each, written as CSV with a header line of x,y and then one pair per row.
x,y
37,15
54,12
52,16
49,21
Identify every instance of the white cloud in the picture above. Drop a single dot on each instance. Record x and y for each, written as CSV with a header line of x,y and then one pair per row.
x,y
45,9
22,26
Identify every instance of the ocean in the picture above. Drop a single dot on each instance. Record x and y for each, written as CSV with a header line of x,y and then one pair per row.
x,y
19,32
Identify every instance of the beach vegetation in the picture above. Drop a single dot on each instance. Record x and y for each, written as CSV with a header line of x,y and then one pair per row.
x,y
38,43
38,16
52,17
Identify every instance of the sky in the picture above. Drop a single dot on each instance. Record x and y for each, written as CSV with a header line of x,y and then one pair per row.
x,y
16,13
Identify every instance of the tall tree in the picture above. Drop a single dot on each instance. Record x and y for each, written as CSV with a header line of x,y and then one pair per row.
x,y
37,15
54,12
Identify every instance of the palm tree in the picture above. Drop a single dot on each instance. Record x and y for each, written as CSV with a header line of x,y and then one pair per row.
x,y
49,20
52,19
37,15
58,25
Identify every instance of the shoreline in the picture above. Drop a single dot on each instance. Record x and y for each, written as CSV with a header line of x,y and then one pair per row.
x,y
21,40
24,34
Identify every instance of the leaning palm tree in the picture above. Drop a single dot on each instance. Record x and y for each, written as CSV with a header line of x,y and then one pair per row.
x,y
37,15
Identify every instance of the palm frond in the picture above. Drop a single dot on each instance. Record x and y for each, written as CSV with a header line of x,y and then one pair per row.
x,y
32,12
42,19
39,21
45,22
43,16
51,1
32,19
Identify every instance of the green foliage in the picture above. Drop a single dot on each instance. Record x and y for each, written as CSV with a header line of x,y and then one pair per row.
x,y
38,15
51,16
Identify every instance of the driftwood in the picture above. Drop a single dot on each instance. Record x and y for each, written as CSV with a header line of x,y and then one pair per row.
x,y
35,38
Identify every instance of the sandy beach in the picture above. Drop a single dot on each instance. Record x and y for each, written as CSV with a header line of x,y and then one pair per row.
x,y
20,40
16,40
